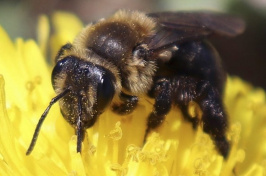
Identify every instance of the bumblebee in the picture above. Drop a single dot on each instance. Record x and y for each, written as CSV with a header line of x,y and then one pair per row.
x,y
161,55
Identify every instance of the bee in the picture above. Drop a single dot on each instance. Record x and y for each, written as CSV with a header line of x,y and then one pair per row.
x,y
165,56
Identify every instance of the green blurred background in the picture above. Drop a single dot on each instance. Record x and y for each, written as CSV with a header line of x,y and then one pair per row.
x,y
244,55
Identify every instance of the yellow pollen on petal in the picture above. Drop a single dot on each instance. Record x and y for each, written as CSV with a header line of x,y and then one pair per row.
x,y
194,110
116,134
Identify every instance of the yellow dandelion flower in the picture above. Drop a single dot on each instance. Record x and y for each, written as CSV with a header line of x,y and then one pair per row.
x,y
113,146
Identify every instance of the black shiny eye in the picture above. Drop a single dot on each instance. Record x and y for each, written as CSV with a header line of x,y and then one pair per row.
x,y
62,65
105,91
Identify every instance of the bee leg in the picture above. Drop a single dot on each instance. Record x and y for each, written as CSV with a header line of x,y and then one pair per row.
x,y
214,117
128,105
209,99
162,93
65,47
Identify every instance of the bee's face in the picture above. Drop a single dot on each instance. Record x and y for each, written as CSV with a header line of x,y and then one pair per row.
x,y
91,89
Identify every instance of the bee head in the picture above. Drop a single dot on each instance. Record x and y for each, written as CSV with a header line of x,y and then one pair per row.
x,y
91,89
83,90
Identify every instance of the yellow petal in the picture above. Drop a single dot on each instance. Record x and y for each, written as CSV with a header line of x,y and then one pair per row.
x,y
66,26
43,31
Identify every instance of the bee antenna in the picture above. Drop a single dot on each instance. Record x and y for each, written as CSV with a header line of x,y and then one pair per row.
x,y
38,127
79,129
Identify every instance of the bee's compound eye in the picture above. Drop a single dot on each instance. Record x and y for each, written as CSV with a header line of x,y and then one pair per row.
x,y
62,65
105,91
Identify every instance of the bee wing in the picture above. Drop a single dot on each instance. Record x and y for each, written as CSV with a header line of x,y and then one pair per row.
x,y
179,27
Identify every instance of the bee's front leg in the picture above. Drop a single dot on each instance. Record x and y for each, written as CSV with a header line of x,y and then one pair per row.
x,y
128,105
